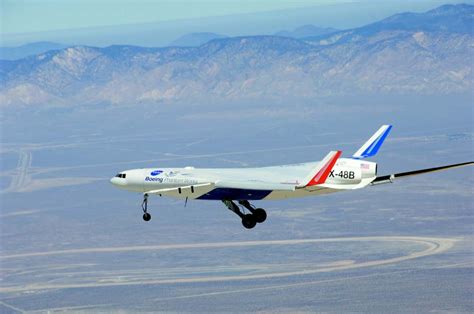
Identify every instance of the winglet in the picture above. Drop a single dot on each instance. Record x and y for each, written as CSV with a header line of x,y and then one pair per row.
x,y
324,168
371,147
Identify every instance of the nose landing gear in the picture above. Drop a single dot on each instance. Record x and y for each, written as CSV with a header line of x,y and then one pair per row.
x,y
146,215
249,221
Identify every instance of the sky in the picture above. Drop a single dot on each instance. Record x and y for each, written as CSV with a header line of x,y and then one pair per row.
x,y
26,16
21,16
157,23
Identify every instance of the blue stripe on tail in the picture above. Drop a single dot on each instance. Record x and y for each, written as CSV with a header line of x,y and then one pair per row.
x,y
375,146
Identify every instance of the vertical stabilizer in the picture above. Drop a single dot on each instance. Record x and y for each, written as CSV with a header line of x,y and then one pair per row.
x,y
372,146
321,172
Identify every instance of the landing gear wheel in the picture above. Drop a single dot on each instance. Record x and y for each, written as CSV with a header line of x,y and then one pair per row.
x,y
260,215
146,216
248,221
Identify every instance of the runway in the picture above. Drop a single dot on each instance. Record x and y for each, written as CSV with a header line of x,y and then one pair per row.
x,y
186,275
21,176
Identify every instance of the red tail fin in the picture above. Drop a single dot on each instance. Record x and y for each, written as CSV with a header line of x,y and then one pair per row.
x,y
324,168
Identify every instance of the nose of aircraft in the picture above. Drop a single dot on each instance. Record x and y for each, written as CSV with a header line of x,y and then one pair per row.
x,y
117,181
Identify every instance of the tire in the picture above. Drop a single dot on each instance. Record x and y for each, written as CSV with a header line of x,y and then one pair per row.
x,y
260,215
248,221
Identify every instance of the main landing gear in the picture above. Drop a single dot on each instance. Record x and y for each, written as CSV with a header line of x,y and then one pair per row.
x,y
257,215
146,215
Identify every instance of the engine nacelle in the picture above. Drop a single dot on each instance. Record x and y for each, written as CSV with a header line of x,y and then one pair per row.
x,y
351,171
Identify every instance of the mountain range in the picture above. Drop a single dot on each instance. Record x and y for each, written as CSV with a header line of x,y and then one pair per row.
x,y
200,38
306,31
427,53
23,51
195,39
187,40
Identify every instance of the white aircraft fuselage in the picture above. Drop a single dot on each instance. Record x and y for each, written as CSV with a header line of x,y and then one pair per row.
x,y
346,174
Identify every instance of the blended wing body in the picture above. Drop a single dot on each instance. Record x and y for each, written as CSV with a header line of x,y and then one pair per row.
x,y
241,185
245,184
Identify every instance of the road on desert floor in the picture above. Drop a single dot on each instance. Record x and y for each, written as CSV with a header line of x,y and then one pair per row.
x,y
432,246
21,176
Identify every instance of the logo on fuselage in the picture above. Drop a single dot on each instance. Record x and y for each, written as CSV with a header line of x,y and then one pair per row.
x,y
154,173
149,179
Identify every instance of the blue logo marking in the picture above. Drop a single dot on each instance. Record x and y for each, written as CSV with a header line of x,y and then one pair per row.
x,y
155,173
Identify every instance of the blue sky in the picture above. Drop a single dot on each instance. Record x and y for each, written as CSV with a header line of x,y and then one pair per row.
x,y
21,16
27,16
157,23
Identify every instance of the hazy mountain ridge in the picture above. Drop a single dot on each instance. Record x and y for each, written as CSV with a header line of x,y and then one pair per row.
x,y
447,18
14,53
306,31
435,59
195,39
